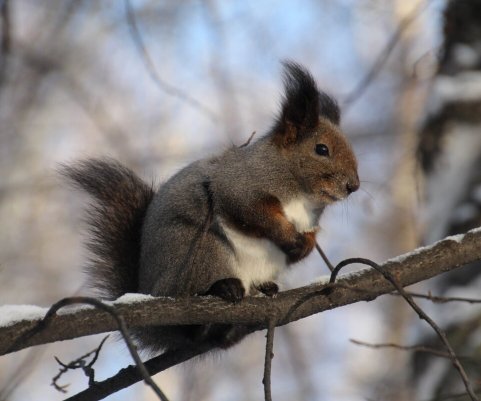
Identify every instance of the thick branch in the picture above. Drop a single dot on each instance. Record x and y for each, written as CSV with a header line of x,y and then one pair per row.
x,y
291,305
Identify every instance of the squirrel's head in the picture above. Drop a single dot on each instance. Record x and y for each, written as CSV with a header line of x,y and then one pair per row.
x,y
307,134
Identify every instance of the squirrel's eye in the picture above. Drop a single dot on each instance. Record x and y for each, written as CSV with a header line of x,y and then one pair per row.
x,y
322,150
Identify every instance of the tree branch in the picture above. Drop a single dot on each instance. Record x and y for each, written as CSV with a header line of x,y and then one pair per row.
x,y
289,306
268,360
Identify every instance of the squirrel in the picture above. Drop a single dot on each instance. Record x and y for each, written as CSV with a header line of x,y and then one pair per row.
x,y
224,226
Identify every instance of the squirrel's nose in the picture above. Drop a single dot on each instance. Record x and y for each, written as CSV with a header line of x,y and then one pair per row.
x,y
352,185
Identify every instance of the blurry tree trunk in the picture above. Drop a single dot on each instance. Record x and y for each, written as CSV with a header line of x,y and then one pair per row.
x,y
404,195
450,158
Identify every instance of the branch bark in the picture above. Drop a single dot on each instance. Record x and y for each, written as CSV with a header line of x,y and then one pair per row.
x,y
289,306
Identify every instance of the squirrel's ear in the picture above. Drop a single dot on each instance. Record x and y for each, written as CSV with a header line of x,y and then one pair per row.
x,y
302,105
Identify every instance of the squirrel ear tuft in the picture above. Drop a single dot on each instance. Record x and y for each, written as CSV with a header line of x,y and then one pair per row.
x,y
303,103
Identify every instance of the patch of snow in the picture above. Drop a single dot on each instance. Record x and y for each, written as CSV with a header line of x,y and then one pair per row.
x,y
475,230
70,309
356,273
456,238
11,314
324,279
132,298
404,256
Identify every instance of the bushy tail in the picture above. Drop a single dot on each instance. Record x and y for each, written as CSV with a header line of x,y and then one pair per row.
x,y
115,218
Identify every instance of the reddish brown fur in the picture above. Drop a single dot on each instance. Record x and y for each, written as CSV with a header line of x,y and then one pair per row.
x,y
287,137
310,240
269,221
330,176
269,217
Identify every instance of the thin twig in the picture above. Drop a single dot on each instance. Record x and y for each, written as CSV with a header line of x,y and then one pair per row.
x,y
441,300
433,298
150,66
324,257
6,40
268,360
130,375
415,348
78,363
422,315
245,144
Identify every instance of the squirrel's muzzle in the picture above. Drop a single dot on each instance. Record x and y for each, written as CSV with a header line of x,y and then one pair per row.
x,y
352,184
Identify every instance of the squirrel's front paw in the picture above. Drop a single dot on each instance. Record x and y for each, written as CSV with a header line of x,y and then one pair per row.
x,y
230,289
301,247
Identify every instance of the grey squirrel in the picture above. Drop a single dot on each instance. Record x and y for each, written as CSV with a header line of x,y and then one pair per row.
x,y
226,225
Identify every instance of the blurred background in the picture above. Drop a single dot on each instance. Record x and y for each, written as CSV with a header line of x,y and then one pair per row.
x,y
158,84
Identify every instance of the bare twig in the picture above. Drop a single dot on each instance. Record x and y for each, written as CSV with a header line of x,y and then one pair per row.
x,y
6,40
415,348
268,360
441,300
130,375
437,299
150,66
433,298
79,363
324,257
422,315
246,143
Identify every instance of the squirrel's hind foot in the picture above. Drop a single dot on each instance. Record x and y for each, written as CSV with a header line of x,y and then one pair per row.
x,y
229,289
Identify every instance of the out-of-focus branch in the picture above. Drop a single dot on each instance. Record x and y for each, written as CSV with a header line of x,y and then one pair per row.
x,y
150,66
381,60
5,40
452,396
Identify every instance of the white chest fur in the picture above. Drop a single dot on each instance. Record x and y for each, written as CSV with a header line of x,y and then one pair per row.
x,y
300,212
257,260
